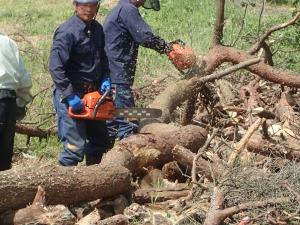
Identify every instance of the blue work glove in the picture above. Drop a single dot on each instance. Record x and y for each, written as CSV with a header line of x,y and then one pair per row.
x,y
75,103
105,85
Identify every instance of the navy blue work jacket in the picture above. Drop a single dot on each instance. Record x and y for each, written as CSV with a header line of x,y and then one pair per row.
x,y
77,55
125,30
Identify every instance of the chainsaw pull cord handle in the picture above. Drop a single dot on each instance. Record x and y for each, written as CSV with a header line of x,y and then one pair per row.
x,y
99,102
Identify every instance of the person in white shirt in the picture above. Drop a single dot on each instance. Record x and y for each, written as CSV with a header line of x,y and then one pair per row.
x,y
15,85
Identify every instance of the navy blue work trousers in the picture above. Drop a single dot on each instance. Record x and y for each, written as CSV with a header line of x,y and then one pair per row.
x,y
80,138
121,127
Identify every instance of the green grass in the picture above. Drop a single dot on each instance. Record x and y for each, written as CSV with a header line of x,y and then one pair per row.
x,y
33,22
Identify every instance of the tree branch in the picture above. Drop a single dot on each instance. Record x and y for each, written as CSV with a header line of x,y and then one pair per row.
x,y
266,35
219,24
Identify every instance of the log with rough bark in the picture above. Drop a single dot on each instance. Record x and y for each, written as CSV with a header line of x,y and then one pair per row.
x,y
63,185
154,148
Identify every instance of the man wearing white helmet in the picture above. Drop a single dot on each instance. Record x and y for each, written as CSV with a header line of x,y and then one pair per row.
x,y
78,65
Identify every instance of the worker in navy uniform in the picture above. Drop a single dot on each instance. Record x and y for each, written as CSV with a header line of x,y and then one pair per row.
x,y
125,30
78,65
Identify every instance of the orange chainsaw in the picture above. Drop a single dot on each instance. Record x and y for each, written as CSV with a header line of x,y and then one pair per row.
x,y
182,56
102,107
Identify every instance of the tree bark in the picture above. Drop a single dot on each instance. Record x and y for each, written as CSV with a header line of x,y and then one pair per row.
x,y
154,148
63,185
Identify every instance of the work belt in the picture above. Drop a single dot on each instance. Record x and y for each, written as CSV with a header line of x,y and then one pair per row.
x,y
86,87
5,93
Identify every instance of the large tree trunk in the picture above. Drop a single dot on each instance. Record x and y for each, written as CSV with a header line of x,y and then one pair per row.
x,y
63,185
154,148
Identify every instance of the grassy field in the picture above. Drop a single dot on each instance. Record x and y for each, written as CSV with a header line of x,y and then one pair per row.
x,y
32,23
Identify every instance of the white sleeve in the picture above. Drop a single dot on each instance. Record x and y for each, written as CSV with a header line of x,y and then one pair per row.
x,y
23,79
23,91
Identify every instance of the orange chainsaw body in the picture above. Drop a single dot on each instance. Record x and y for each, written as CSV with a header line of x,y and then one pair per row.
x,y
182,56
106,110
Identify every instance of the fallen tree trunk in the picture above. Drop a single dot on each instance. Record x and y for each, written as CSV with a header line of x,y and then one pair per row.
x,y
63,185
154,148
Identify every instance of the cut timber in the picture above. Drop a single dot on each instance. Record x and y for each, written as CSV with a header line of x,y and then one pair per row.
x,y
63,185
154,149
190,136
